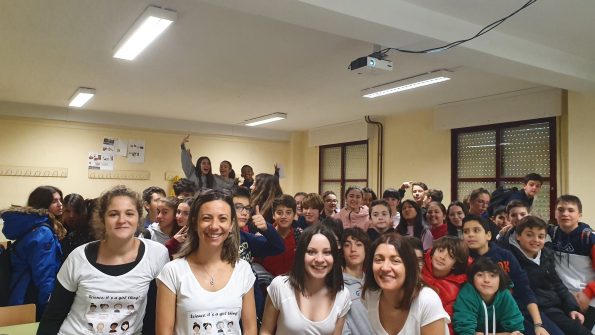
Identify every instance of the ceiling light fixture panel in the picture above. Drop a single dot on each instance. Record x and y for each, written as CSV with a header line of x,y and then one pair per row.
x,y
81,96
150,24
265,119
409,83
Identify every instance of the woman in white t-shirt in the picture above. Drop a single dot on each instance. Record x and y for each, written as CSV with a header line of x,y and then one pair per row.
x,y
118,270
394,294
311,300
208,284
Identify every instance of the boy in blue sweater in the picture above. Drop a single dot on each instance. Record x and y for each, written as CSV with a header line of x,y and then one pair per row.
x,y
477,236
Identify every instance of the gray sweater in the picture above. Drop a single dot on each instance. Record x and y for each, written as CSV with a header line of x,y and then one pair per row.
x,y
357,319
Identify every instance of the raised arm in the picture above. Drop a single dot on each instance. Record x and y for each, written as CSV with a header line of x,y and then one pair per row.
x,y
186,158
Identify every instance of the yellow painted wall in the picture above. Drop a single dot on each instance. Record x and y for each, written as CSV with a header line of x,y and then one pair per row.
x,y
415,151
581,151
28,142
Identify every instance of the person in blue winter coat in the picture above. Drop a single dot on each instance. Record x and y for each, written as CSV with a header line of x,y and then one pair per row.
x,y
36,257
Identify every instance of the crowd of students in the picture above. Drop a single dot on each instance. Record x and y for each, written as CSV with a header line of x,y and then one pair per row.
x,y
231,258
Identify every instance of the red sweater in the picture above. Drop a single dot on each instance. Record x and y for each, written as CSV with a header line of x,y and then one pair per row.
x,y
438,232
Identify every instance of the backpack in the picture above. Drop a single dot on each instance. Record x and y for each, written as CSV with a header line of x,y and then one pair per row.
x,y
499,198
6,266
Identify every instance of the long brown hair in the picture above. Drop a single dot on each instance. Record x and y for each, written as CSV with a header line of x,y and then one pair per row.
x,y
266,189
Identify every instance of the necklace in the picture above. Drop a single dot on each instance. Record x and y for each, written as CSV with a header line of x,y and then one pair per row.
x,y
211,278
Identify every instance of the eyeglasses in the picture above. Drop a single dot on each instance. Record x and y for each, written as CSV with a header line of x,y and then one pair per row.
x,y
240,207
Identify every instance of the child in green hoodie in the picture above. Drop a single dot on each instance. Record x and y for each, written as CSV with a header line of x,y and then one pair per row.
x,y
484,305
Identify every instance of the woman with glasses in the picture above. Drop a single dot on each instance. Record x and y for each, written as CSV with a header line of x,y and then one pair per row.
x,y
330,204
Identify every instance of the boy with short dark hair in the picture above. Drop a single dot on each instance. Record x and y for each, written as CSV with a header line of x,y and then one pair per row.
x,y
184,188
248,174
531,186
516,210
393,197
574,244
558,307
151,200
477,236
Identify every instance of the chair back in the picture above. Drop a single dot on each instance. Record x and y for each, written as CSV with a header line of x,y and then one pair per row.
x,y
16,315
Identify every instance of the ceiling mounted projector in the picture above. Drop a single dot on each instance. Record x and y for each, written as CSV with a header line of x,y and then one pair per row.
x,y
370,65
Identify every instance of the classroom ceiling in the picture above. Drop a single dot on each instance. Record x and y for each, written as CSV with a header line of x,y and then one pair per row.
x,y
225,61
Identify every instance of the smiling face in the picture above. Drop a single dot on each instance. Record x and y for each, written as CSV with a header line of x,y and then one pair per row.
x,y
242,208
567,216
354,200
418,194
247,173
354,252
388,268
56,205
442,262
166,216
330,203
182,214
298,204
121,218
516,214
214,223
408,212
531,240
205,166
380,216
434,215
311,215
318,259
486,283
283,216
456,215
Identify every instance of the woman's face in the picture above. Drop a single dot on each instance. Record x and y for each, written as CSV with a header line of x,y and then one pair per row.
x,y
318,260
354,199
380,216
56,205
166,216
388,268
479,205
205,166
330,203
182,214
224,169
434,215
408,211
214,223
456,215
121,218
70,218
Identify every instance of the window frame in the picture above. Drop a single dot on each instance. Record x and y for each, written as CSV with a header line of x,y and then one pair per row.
x,y
499,179
342,181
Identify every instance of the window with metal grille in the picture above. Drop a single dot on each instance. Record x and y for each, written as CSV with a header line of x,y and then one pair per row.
x,y
501,155
343,165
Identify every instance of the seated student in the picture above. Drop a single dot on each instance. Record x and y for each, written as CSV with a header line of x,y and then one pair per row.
x,y
354,214
500,217
456,212
484,305
369,196
418,248
312,209
248,174
435,217
356,246
380,216
445,270
393,197
184,188
330,204
394,294
283,214
477,236
266,241
151,200
166,226
182,212
299,196
574,244
531,186
516,210
312,298
411,223
479,200
559,309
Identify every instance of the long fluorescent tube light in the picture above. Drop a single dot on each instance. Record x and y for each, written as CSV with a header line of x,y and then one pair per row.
x,y
81,96
425,79
152,22
265,119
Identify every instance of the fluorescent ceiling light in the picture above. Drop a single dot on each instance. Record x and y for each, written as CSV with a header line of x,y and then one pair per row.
x,y
265,119
81,96
425,79
152,22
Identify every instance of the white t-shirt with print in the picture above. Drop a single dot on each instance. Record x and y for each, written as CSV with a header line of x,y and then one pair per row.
x,y
425,309
106,304
199,311
292,321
